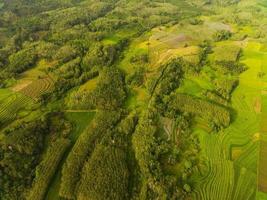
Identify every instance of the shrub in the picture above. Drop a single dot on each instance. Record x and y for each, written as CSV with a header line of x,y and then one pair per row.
x,y
168,78
222,35
139,59
230,67
100,55
65,54
225,87
137,78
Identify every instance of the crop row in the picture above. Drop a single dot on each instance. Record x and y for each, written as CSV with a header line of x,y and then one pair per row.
x,y
37,88
211,111
225,181
219,183
244,185
47,168
105,175
82,149
262,174
10,107
249,157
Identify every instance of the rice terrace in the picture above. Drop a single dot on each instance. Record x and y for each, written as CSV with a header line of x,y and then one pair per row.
x,y
133,100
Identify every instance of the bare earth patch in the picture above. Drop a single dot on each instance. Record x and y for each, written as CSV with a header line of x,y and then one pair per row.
x,y
21,85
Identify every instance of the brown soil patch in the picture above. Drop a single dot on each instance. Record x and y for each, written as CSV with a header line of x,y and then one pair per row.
x,y
21,85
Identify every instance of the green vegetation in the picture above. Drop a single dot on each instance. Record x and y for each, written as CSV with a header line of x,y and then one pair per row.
x,y
20,152
210,111
11,106
105,175
83,147
222,35
227,53
38,88
47,168
135,100
80,121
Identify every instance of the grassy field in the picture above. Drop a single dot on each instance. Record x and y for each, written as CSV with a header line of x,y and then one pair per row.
x,y
226,52
137,46
89,85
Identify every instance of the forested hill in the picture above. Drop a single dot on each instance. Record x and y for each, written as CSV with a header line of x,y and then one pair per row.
x,y
133,99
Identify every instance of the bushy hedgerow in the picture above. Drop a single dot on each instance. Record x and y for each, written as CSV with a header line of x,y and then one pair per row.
x,y
105,175
47,168
230,67
147,150
84,146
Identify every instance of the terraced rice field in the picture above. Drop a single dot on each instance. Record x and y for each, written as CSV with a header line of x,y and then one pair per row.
x,y
234,154
248,157
237,155
164,46
262,172
221,184
11,105
37,88
226,53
